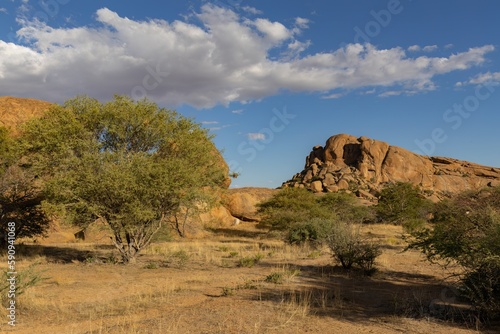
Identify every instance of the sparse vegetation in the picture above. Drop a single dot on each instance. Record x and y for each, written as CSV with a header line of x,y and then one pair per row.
x,y
466,231
349,248
309,218
24,279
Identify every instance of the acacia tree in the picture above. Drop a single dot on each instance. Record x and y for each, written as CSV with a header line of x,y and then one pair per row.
x,y
131,164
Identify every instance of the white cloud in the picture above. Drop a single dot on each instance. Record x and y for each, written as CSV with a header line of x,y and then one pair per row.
x,y
252,10
3,10
227,58
275,31
482,78
237,111
302,23
448,46
430,48
209,122
256,136
391,93
414,48
333,96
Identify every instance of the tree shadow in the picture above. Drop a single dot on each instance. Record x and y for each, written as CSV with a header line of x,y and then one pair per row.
x,y
229,232
57,254
332,291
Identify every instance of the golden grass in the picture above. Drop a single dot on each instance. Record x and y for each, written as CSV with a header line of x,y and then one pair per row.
x,y
183,289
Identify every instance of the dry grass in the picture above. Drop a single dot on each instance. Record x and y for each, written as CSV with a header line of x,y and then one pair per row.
x,y
198,286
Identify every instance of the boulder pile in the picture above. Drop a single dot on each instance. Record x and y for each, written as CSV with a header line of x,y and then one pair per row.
x,y
363,165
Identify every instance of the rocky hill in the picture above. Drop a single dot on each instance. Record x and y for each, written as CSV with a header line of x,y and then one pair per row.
x,y
363,165
15,111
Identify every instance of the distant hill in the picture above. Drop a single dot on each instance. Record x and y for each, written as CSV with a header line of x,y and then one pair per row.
x,y
14,111
363,165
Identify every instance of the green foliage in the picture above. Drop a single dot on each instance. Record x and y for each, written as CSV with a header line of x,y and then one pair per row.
x,y
466,231
291,206
402,201
132,164
350,249
25,279
314,230
307,217
151,265
346,208
282,276
250,261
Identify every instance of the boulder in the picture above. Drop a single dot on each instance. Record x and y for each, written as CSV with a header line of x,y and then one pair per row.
x,y
242,202
316,186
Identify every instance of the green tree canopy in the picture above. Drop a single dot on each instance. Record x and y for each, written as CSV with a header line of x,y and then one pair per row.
x,y
131,164
401,201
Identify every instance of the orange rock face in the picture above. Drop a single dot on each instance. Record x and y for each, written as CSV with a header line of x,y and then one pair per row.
x,y
364,164
15,111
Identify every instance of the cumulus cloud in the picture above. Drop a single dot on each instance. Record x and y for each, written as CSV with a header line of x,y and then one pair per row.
x,y
430,48
224,58
482,78
275,31
414,48
256,136
302,23
252,10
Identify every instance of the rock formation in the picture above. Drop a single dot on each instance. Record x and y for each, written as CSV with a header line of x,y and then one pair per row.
x,y
15,111
363,165
242,202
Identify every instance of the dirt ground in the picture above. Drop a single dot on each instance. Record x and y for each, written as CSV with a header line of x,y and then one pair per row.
x,y
239,281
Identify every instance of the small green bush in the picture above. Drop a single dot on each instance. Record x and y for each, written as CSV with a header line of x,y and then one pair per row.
x,y
25,279
250,261
151,265
276,278
402,201
349,249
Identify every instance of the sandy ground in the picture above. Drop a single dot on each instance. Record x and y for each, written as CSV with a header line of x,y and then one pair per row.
x,y
199,287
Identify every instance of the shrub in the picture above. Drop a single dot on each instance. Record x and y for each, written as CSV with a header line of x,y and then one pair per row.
x,y
402,201
466,231
350,249
25,279
249,262
291,206
314,230
306,217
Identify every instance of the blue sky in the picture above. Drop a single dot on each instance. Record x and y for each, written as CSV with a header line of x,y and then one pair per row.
x,y
271,79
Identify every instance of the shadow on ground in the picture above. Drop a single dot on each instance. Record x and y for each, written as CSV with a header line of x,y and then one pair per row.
x,y
332,291
61,254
